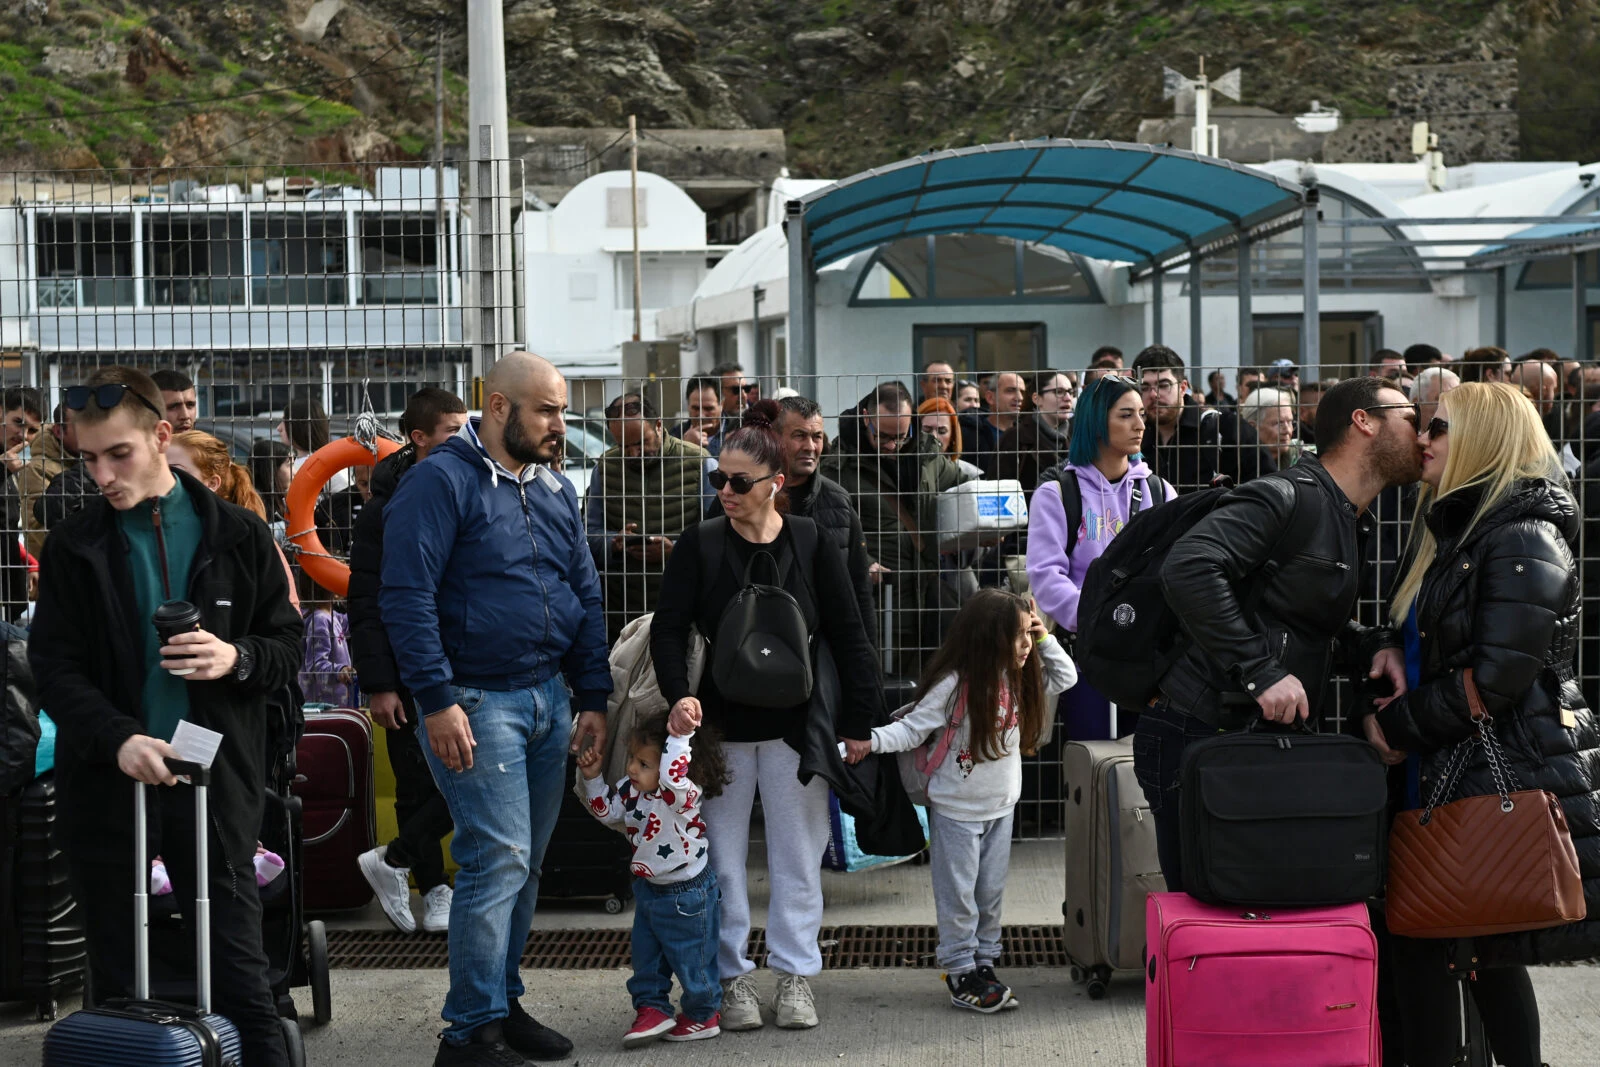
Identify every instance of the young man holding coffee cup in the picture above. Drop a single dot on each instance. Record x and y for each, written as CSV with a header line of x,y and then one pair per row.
x,y
159,603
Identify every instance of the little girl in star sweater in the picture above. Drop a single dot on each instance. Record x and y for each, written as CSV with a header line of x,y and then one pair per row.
x,y
676,899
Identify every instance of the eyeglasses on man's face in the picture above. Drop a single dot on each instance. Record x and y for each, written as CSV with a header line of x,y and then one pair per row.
x,y
1160,385
631,410
1411,415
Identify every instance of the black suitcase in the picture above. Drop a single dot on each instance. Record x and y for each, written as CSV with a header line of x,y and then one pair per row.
x,y
1283,819
140,1032
41,930
585,859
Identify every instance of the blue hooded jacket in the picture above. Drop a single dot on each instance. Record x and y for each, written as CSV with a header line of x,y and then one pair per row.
x,y
487,580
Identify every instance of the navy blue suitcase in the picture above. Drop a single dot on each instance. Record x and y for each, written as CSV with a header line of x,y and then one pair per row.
x,y
149,1033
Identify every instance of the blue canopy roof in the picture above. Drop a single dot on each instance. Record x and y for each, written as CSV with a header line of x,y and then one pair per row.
x,y
1135,203
1542,240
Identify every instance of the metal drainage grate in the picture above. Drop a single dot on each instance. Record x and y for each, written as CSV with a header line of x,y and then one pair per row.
x,y
581,950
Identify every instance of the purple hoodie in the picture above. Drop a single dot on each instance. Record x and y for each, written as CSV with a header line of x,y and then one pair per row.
x,y
1054,577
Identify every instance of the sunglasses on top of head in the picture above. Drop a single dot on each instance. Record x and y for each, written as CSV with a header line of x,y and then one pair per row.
x,y
742,483
105,397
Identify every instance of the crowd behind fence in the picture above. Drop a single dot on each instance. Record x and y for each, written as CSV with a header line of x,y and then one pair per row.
x,y
940,469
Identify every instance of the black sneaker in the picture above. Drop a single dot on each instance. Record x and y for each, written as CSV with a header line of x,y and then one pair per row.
x,y
985,971
532,1038
973,992
485,1048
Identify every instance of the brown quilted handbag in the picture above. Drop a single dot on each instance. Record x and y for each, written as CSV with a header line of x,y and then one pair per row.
x,y
1482,865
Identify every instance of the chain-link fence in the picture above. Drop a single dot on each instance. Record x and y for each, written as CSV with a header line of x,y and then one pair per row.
x,y
290,303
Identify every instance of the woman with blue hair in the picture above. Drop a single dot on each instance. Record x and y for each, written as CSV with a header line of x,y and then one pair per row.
x,y
1076,511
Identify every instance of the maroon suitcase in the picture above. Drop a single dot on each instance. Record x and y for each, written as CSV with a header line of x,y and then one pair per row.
x,y
334,784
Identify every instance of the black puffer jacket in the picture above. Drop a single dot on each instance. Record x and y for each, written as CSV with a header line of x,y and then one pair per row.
x,y
1246,636
369,641
1504,601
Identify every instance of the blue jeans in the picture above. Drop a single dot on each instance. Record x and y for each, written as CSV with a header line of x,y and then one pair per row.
x,y
504,808
675,932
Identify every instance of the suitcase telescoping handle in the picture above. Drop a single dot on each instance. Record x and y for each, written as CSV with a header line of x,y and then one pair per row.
x,y
200,777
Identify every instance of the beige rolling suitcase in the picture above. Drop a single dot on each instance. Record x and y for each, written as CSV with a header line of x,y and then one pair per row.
x,y
1111,861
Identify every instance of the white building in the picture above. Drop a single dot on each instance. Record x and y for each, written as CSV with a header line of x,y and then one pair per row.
x,y
577,262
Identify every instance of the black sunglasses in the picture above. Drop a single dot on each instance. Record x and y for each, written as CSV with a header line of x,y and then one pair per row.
x,y
751,387
105,397
1436,428
742,483
1392,407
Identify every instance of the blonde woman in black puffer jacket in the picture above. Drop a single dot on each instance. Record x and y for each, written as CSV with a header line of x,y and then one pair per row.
x,y
1492,585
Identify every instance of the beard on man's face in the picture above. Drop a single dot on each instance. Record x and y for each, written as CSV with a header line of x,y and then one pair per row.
x,y
1398,458
523,448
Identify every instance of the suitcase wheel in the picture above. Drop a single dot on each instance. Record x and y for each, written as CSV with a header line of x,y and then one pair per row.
x,y
46,1010
294,1041
1077,975
613,905
321,987
1097,990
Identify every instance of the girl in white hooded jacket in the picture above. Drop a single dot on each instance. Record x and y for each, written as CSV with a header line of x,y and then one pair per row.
x,y
992,684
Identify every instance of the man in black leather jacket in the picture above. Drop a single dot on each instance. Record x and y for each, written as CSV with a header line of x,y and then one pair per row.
x,y
431,417
1266,584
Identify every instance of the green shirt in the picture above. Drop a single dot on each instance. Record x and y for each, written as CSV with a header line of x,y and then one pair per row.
x,y
165,696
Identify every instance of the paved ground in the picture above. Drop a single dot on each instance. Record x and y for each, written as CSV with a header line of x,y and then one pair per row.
x,y
882,1017
886,1017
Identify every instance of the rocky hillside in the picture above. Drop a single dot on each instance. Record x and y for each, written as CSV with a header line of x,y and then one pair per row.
x,y
115,83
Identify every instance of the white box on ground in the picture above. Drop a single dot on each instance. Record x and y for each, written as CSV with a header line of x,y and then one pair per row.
x,y
980,512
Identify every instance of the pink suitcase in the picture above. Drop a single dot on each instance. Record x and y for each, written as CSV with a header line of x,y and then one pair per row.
x,y
1230,987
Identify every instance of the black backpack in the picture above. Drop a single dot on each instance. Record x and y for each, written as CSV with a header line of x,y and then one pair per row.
x,y
1128,635
761,655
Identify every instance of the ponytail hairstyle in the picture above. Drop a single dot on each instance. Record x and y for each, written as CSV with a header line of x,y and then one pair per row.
x,y
211,456
980,652
757,437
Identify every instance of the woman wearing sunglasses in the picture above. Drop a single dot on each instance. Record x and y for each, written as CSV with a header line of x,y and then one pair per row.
x,y
763,745
1491,586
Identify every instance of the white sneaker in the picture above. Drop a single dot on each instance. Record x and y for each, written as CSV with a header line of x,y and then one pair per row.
x,y
795,1009
741,1005
391,886
436,910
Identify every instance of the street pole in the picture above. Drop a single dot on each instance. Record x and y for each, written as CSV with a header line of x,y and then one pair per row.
x,y
638,270
489,146
440,243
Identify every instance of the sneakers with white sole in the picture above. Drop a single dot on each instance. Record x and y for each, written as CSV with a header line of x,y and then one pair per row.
x,y
689,1030
392,886
794,1007
436,910
741,1005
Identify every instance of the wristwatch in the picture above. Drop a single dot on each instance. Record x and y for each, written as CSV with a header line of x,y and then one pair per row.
x,y
245,664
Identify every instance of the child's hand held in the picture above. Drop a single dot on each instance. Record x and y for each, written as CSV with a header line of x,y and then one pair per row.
x,y
589,762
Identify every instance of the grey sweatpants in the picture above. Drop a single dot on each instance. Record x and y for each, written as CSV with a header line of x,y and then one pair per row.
x,y
797,835
970,861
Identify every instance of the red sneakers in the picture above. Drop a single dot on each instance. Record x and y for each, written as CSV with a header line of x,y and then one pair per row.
x,y
648,1025
688,1030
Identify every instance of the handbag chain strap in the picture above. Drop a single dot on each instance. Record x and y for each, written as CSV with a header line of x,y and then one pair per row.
x,y
1505,779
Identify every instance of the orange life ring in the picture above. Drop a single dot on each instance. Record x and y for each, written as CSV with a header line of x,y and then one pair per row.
x,y
328,571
